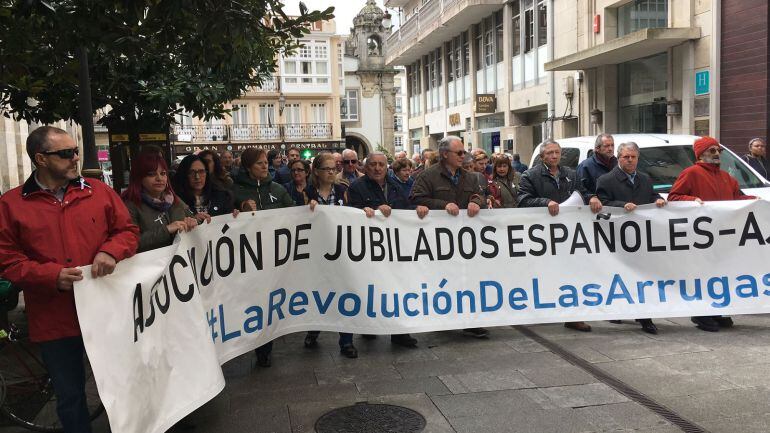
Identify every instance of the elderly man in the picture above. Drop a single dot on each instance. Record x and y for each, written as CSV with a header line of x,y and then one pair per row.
x,y
227,162
757,157
349,171
377,191
625,187
400,155
547,185
703,182
600,163
283,174
51,225
447,186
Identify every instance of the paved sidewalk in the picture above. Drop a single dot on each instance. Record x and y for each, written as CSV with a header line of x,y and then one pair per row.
x,y
510,383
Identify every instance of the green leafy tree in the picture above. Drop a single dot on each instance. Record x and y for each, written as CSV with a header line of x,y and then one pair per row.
x,y
148,59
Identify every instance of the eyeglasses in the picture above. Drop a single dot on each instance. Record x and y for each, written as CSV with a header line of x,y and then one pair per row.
x,y
63,153
459,152
327,170
297,170
196,173
350,161
713,150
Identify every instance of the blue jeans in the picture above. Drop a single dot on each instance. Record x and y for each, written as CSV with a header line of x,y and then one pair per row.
x,y
64,360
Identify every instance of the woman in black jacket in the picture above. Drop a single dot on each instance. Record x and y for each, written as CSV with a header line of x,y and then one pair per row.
x,y
193,184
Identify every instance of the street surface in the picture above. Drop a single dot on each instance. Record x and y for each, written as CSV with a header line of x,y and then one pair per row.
x,y
510,383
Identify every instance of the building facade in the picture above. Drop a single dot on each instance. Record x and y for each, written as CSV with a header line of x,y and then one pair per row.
x,y
368,106
297,107
475,69
640,65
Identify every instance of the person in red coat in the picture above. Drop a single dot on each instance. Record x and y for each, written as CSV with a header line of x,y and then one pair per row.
x,y
49,226
706,181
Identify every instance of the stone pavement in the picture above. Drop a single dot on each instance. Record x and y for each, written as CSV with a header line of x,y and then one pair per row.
x,y
510,383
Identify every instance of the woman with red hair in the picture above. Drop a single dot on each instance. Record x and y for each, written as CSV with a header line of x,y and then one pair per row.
x,y
153,206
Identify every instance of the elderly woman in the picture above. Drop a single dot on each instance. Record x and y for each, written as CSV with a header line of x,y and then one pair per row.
x,y
254,190
324,191
193,184
153,206
299,186
503,190
402,174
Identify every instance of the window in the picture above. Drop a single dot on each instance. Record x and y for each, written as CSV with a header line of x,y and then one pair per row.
x,y
499,36
267,114
310,65
319,113
450,61
292,114
642,14
466,52
240,114
398,123
542,24
398,141
350,105
529,26
489,42
399,105
479,47
516,26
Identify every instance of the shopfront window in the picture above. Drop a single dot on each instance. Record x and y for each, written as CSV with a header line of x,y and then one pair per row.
x,y
642,95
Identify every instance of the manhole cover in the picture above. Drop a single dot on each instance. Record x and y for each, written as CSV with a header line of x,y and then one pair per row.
x,y
371,418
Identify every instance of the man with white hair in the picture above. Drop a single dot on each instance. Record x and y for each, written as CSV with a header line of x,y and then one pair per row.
x,y
400,155
349,171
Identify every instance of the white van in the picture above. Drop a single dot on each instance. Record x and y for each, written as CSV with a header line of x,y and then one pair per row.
x,y
663,157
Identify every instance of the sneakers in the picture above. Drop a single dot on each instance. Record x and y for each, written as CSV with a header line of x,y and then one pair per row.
x,y
405,340
648,326
706,323
578,326
476,332
724,321
311,341
349,351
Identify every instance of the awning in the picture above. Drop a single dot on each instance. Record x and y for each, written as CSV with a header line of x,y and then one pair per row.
x,y
642,43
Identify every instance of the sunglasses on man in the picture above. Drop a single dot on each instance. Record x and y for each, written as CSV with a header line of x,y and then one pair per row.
x,y
350,161
63,153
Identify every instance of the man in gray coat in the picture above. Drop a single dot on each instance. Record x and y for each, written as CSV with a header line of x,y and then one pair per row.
x,y
625,187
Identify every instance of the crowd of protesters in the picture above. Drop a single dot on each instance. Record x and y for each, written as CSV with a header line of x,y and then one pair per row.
x,y
43,237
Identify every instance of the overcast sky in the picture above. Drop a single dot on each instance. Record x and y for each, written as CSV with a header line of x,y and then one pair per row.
x,y
344,10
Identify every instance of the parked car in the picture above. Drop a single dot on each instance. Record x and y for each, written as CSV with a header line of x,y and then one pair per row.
x,y
663,157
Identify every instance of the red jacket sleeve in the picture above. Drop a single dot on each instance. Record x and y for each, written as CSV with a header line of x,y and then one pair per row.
x,y
737,193
681,189
123,239
15,266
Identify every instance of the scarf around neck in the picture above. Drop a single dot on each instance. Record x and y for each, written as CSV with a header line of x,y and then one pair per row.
x,y
163,204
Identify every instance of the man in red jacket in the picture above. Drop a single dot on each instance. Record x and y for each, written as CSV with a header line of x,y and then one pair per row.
x,y
702,182
49,226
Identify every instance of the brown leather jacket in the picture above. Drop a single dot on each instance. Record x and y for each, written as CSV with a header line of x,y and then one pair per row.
x,y
434,188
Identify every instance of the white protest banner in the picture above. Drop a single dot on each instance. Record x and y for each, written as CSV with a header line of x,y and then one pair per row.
x,y
158,329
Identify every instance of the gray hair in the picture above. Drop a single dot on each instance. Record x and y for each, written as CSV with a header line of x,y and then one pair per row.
x,y
348,152
600,138
444,143
375,153
751,142
546,143
628,145
37,140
